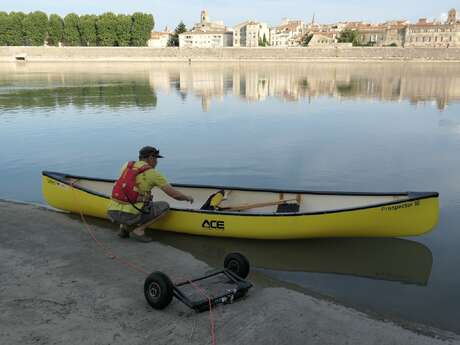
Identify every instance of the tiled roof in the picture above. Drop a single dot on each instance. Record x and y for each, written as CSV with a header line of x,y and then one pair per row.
x,y
157,34
325,34
214,32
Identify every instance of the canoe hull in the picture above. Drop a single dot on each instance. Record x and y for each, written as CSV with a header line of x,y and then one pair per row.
x,y
409,218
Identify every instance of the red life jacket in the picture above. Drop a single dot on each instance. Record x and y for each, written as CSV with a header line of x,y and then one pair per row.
x,y
125,189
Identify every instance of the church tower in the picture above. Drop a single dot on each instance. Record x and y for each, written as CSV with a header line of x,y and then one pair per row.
x,y
452,16
204,16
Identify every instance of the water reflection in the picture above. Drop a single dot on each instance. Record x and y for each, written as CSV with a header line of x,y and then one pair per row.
x,y
385,81
414,82
97,95
384,259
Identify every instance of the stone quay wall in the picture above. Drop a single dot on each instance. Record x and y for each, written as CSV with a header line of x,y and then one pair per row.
x,y
69,54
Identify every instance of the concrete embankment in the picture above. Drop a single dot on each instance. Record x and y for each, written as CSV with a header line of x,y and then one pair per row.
x,y
58,287
65,54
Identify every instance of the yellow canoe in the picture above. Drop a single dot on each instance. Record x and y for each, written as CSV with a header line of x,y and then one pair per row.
x,y
260,213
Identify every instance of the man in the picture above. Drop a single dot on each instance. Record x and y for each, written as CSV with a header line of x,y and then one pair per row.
x,y
141,212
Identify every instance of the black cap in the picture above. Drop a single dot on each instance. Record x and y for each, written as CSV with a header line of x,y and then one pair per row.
x,y
147,151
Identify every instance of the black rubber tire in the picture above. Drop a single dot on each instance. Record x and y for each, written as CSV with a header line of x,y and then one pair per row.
x,y
238,264
158,290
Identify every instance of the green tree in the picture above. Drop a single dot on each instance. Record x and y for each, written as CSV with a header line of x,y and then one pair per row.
x,y
143,24
14,29
4,21
349,36
174,39
123,29
55,30
71,36
88,32
35,26
306,39
106,26
263,42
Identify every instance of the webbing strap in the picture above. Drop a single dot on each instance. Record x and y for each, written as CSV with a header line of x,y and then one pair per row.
x,y
143,169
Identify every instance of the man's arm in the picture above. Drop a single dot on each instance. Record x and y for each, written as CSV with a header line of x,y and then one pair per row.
x,y
175,194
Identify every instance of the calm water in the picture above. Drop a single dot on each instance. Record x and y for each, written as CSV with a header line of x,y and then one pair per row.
x,y
353,127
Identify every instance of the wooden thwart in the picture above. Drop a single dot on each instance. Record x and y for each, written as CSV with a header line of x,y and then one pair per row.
x,y
257,205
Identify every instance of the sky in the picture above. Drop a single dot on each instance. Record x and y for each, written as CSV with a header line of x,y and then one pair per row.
x,y
232,12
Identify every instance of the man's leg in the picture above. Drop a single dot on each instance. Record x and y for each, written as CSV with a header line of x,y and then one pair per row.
x,y
124,231
157,210
126,221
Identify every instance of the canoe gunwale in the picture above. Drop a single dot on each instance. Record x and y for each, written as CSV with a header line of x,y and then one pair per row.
x,y
412,196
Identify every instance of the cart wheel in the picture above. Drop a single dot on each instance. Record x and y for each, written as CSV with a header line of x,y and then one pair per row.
x,y
158,290
237,263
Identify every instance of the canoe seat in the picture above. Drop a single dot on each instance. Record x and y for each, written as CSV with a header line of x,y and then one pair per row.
x,y
287,208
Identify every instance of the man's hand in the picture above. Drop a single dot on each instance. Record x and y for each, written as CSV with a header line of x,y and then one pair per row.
x,y
174,193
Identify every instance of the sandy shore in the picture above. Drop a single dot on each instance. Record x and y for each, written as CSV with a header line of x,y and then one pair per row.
x,y
58,287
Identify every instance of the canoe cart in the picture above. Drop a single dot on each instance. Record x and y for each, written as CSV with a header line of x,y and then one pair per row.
x,y
159,289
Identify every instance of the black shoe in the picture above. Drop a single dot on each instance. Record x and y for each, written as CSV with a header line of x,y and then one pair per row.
x,y
142,238
124,232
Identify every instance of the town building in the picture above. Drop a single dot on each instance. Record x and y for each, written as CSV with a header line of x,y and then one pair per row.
x,y
428,34
372,34
390,33
251,34
288,34
323,39
207,34
159,39
395,34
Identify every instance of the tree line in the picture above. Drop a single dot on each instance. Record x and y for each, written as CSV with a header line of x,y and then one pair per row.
x,y
105,30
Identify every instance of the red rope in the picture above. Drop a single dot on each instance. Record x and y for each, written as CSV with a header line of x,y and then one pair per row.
x,y
211,318
109,253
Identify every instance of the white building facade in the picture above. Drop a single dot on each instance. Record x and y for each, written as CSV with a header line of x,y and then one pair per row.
x,y
251,34
208,39
206,34
288,34
434,34
159,39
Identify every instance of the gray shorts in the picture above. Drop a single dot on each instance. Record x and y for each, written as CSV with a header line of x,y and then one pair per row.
x,y
151,211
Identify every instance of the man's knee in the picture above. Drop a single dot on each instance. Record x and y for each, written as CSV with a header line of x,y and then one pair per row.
x,y
163,207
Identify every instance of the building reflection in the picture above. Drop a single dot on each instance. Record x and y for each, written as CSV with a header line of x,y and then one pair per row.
x,y
413,82
121,84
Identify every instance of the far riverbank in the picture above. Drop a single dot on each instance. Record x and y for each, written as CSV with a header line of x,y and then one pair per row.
x,y
134,54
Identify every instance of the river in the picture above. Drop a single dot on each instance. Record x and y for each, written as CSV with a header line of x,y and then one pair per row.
x,y
370,127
